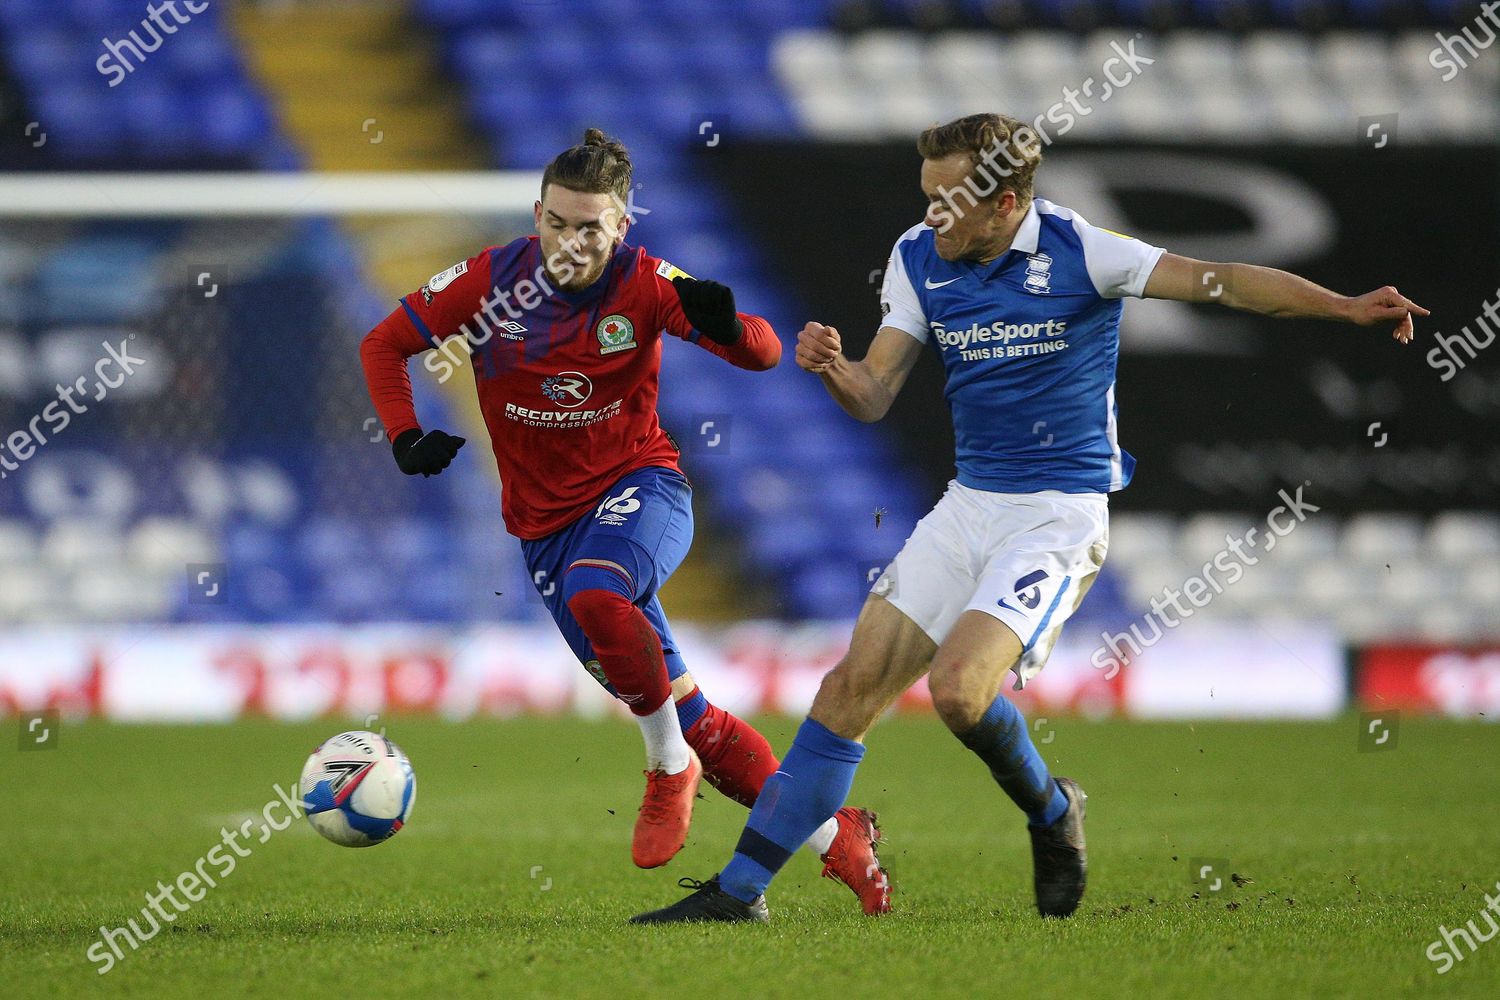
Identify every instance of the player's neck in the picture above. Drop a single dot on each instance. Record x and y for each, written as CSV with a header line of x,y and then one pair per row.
x,y
1003,239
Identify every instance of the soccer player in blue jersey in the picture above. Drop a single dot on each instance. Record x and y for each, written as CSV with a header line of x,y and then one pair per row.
x,y
1022,299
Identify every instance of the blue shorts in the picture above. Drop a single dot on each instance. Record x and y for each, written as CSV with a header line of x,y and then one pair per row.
x,y
643,525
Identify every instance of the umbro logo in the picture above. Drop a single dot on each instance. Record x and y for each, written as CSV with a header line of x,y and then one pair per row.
x,y
930,284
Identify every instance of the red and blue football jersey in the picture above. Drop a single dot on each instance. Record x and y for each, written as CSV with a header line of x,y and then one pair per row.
x,y
567,381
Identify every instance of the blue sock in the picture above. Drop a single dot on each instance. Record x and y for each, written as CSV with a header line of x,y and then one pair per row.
x,y
811,785
1001,741
691,709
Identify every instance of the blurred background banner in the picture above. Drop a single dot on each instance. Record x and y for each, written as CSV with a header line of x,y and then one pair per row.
x,y
201,673
199,515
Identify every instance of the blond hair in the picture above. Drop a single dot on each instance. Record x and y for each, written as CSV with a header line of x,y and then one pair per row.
x,y
1005,151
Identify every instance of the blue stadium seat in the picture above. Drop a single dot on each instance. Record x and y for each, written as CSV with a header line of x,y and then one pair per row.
x,y
201,56
78,124
41,52
160,119
487,58
452,14
233,122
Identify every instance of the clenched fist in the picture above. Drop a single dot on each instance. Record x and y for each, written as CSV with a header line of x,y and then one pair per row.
x,y
818,346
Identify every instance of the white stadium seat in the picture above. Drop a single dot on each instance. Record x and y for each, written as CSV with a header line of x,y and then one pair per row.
x,y
1279,58
896,58
1463,535
1203,85
1480,589
1355,57
1048,56
798,56
1201,59
169,544
1137,536
1379,538
26,590
961,57
1205,535
18,542
72,543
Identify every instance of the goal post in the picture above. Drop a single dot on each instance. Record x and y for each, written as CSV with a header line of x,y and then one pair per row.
x,y
174,195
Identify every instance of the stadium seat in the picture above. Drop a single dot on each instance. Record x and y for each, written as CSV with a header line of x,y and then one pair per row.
x,y
1205,535
17,543
29,593
1376,539
1464,536
71,544
117,594
162,545
1135,536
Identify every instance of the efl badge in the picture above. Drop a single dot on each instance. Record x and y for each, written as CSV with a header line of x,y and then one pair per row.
x,y
443,279
669,271
1039,274
615,333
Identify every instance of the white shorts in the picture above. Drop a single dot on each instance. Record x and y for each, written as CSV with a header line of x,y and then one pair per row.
x,y
1025,558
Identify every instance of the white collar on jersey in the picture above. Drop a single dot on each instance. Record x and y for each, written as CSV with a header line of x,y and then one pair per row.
x,y
1031,229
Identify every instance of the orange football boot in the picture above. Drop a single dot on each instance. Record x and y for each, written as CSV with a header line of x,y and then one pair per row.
x,y
852,860
666,812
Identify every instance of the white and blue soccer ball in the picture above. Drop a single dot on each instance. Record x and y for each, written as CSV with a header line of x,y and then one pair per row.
x,y
358,789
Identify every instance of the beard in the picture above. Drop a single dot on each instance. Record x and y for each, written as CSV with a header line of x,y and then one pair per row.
x,y
579,273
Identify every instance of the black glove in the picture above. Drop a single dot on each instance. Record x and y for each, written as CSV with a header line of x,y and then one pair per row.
x,y
427,453
709,306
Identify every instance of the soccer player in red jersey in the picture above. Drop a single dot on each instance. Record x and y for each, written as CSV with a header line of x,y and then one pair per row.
x,y
565,333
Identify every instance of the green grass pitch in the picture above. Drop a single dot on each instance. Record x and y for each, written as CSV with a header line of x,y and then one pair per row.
x,y
514,876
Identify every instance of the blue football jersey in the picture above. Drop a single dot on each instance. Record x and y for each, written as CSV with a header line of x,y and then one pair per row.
x,y
1029,343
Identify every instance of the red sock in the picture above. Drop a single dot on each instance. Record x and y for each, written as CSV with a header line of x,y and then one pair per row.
x,y
736,759
628,648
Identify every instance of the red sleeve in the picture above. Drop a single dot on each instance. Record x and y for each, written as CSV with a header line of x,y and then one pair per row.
x,y
383,354
443,307
757,350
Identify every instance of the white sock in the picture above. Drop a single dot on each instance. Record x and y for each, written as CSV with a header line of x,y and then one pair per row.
x,y
822,838
666,750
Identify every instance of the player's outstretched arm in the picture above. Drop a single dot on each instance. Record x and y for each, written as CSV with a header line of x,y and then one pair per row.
x,y
1276,293
383,354
865,389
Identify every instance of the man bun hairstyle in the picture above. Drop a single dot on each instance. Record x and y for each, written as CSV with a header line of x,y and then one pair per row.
x,y
598,165
1005,151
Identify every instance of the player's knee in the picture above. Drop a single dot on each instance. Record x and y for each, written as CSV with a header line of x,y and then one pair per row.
x,y
594,606
957,696
846,703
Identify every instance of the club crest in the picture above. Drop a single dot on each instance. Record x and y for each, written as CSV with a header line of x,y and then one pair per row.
x,y
615,333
